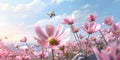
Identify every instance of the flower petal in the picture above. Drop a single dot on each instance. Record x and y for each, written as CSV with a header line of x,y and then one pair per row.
x,y
40,33
50,29
92,25
85,26
113,49
62,42
43,43
59,30
97,27
64,34
118,57
97,53
66,21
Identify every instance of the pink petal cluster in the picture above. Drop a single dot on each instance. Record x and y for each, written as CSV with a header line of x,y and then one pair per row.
x,y
75,29
91,17
115,28
108,20
69,20
91,28
24,39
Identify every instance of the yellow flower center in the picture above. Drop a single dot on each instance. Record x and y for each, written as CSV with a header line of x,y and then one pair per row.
x,y
51,40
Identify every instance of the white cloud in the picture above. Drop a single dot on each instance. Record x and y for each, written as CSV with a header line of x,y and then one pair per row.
x,y
22,10
12,19
60,1
85,6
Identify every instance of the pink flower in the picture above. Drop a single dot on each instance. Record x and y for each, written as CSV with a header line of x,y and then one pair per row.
x,y
24,48
24,57
91,28
94,38
41,54
74,29
24,39
68,20
108,20
118,57
91,17
101,55
53,38
81,36
108,53
15,45
115,29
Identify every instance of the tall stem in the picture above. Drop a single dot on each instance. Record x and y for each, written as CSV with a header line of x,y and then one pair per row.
x,y
29,48
103,36
76,39
79,41
87,47
53,55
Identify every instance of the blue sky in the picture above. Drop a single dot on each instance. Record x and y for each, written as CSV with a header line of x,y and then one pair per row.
x,y
19,17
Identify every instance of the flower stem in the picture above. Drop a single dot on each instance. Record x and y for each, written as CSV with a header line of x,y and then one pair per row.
x,y
76,39
87,47
103,36
79,41
53,55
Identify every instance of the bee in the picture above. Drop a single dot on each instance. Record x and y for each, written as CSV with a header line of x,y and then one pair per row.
x,y
51,14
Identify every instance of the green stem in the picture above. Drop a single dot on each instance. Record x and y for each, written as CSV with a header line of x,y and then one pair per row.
x,y
53,55
76,39
79,41
87,46
103,36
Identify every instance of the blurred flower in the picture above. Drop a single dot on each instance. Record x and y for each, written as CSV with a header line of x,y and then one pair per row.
x,y
74,29
118,57
53,38
109,53
15,45
41,54
101,55
91,17
93,38
24,57
68,20
24,48
24,39
115,29
108,20
91,28
81,36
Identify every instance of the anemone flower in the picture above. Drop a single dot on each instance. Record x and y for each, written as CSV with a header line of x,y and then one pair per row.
x,y
69,20
91,17
108,20
91,28
53,38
